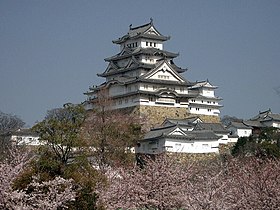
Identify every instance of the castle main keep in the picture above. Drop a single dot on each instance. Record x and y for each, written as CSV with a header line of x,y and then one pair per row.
x,y
144,79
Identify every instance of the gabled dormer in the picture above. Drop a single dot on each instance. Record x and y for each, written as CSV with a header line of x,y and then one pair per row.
x,y
164,71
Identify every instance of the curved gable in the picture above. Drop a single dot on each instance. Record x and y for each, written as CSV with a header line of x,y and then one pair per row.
x,y
164,71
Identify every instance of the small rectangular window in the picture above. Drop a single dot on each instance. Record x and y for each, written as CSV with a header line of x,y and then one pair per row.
x,y
147,44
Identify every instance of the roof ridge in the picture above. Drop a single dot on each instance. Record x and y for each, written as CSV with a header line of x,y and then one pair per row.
x,y
160,128
137,27
141,26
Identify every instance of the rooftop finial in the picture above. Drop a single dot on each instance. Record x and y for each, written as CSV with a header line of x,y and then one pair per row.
x,y
151,19
130,26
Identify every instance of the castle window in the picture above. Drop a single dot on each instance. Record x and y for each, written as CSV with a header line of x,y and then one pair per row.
x,y
147,43
209,110
126,100
197,109
146,86
201,101
151,44
135,44
163,77
181,89
151,98
120,101
155,44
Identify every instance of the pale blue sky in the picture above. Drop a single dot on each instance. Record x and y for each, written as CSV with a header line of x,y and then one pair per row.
x,y
51,50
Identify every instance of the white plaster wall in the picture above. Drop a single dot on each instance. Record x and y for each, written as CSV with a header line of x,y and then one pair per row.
x,y
208,92
26,140
244,132
164,75
204,111
272,124
159,45
223,139
232,139
179,146
192,147
276,125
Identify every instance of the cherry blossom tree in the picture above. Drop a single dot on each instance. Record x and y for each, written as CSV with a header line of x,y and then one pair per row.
x,y
37,195
167,183
46,195
256,183
209,186
162,184
10,168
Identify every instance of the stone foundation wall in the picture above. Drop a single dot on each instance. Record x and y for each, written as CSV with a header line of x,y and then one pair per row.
x,y
153,116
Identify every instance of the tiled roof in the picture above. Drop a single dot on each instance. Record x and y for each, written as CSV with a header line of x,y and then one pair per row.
x,y
123,70
262,117
188,135
208,97
147,51
140,31
203,84
216,127
204,135
253,123
186,121
159,132
239,125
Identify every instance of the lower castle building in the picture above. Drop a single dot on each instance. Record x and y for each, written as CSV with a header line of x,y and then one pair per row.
x,y
144,79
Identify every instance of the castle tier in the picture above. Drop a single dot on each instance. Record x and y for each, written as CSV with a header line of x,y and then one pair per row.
x,y
144,75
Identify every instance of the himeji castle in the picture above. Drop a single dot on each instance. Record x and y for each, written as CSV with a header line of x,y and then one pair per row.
x,y
144,79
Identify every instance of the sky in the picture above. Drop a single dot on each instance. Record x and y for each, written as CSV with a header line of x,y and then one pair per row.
x,y
52,50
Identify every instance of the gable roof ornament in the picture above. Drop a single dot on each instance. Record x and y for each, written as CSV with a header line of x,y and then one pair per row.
x,y
151,21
